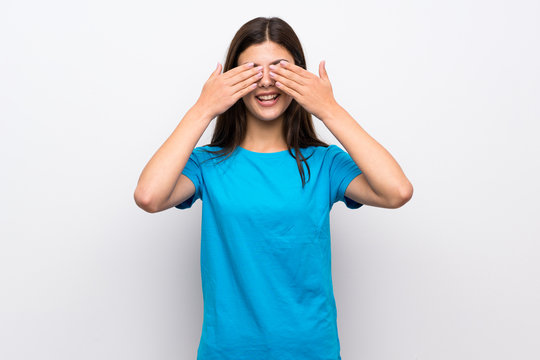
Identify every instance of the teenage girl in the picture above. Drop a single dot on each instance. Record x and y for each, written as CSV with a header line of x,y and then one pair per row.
x,y
267,185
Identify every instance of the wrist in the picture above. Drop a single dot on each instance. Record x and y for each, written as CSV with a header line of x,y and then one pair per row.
x,y
201,111
332,112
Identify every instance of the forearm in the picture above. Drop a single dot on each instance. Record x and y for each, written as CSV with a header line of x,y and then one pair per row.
x,y
161,173
380,169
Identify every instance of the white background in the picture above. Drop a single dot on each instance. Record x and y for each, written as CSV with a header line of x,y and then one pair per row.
x,y
89,90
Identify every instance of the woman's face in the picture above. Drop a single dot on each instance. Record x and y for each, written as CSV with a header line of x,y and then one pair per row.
x,y
265,54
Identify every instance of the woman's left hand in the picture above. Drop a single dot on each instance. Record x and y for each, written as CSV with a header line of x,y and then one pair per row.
x,y
314,93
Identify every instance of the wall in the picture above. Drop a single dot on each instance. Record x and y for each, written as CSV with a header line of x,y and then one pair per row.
x,y
89,90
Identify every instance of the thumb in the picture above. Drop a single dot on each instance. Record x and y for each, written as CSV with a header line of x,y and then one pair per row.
x,y
217,71
322,70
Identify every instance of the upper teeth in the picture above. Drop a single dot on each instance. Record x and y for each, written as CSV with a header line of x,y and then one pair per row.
x,y
267,97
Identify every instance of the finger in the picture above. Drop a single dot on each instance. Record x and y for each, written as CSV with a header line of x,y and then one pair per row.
x,y
288,90
216,71
238,78
291,84
244,91
300,71
322,70
288,74
248,82
236,70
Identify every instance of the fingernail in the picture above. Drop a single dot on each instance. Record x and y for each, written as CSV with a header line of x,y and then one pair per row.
x,y
283,62
259,68
273,67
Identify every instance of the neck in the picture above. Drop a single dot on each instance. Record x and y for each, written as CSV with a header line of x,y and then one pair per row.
x,y
264,135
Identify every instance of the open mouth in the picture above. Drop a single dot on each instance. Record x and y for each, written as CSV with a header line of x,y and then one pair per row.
x,y
267,100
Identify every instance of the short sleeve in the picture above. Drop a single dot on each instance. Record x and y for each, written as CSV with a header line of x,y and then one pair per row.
x,y
193,171
343,170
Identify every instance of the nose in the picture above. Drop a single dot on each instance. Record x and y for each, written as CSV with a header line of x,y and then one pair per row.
x,y
266,79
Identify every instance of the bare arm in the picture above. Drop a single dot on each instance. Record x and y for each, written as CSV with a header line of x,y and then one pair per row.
x,y
162,184
160,176
382,182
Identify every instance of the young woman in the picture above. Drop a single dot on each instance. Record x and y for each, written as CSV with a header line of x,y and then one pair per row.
x,y
267,185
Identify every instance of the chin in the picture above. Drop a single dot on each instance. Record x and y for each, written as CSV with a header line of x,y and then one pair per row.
x,y
268,112
266,115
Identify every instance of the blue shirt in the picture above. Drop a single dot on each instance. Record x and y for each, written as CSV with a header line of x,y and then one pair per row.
x,y
265,252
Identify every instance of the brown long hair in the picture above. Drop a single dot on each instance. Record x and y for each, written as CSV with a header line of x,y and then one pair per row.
x,y
231,126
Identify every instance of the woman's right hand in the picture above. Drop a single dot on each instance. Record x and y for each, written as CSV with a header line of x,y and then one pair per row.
x,y
221,91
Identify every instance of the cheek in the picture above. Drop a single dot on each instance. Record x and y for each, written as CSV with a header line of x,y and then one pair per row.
x,y
247,99
288,99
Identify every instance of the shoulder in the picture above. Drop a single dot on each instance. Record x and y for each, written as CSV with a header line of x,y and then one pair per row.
x,y
327,152
334,149
206,148
332,156
206,151
335,152
207,156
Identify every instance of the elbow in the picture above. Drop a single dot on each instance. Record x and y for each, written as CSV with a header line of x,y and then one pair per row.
x,y
404,193
144,201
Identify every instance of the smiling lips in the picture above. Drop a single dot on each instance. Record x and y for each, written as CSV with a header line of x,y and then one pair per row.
x,y
267,99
